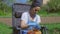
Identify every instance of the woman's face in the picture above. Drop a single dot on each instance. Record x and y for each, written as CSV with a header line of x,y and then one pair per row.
x,y
35,10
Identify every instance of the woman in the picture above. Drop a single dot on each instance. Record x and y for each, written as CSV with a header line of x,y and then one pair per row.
x,y
31,18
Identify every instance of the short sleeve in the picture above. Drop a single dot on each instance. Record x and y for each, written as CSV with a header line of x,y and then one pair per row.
x,y
24,17
38,19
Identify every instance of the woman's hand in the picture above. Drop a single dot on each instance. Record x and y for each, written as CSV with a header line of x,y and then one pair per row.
x,y
34,29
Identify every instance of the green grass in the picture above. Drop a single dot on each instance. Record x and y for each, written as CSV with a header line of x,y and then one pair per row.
x,y
4,29
52,27
5,14
44,13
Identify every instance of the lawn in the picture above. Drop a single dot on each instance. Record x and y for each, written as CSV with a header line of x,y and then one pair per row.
x,y
52,27
4,29
5,14
42,13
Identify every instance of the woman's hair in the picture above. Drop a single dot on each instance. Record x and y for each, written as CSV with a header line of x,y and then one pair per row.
x,y
36,3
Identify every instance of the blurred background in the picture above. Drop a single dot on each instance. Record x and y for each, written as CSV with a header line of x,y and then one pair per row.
x,y
50,15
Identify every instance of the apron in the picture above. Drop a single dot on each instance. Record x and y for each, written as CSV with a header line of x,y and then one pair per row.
x,y
32,24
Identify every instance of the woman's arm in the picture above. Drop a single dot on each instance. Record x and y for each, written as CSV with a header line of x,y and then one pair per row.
x,y
23,24
24,20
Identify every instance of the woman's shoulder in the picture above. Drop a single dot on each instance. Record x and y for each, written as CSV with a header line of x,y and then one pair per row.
x,y
24,13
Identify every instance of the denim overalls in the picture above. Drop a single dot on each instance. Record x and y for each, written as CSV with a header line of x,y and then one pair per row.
x,y
32,25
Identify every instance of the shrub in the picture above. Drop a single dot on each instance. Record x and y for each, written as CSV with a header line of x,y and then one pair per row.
x,y
53,6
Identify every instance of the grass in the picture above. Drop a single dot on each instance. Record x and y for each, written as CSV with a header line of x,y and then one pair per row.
x,y
5,14
52,27
44,13
4,29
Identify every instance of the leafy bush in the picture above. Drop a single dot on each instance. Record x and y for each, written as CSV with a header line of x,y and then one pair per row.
x,y
53,6
5,10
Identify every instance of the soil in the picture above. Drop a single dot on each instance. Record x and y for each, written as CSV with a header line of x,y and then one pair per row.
x,y
44,20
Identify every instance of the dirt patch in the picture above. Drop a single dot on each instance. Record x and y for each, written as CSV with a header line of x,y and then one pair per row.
x,y
50,19
8,21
